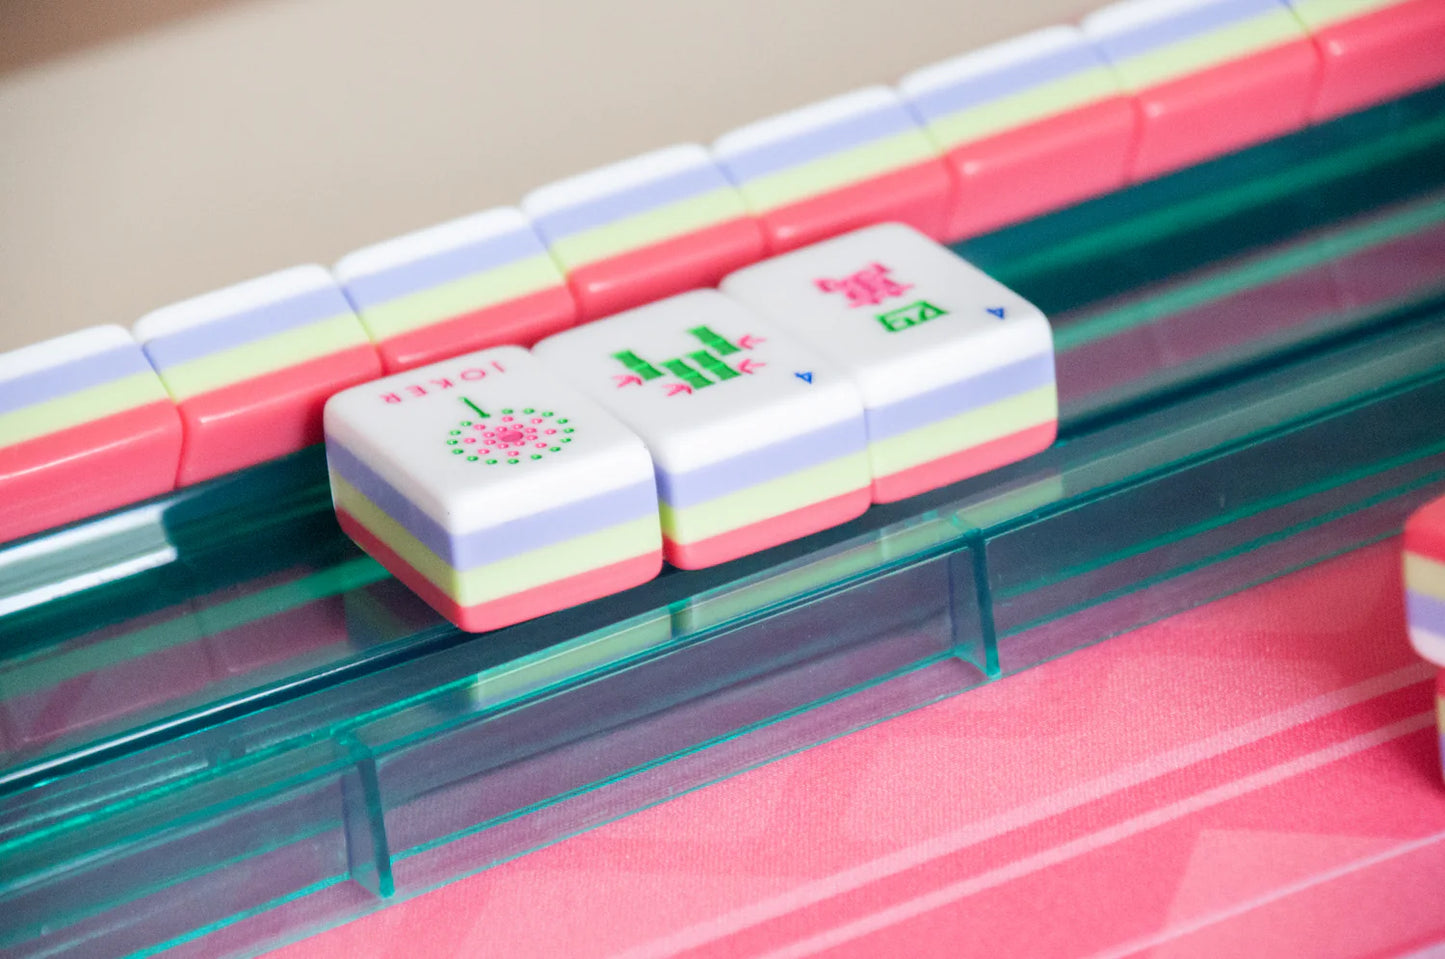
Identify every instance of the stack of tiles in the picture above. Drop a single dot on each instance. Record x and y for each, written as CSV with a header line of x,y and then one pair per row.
x,y
756,439
956,371
85,426
484,280
1027,126
1373,50
824,169
1425,590
492,489
251,366
645,228
1211,76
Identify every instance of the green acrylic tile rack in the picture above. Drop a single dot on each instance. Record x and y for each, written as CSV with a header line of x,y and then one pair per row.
x,y
222,727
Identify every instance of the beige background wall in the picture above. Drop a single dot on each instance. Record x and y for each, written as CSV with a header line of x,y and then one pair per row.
x,y
147,160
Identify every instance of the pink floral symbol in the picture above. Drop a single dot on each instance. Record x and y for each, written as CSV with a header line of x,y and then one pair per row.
x,y
508,435
867,287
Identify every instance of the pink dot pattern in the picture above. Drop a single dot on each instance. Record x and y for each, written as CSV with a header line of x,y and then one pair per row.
x,y
511,437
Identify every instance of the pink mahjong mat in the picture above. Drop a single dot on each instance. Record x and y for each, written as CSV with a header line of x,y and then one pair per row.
x,y
1258,776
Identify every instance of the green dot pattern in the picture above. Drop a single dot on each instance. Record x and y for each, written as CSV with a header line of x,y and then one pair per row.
x,y
521,435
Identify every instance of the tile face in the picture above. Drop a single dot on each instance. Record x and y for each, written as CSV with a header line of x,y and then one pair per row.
x,y
852,161
1210,76
1373,50
1425,580
1028,125
494,490
756,439
251,366
85,426
645,228
956,370
484,280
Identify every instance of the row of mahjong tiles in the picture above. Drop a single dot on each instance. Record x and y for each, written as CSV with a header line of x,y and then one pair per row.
x,y
505,484
994,136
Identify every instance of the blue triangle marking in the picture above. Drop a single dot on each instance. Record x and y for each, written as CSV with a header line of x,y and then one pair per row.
x,y
805,377
995,310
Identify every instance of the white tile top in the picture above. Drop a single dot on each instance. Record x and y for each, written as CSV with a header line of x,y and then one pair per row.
x,y
485,438
430,241
805,119
702,379
247,295
1128,14
985,60
615,178
897,312
63,349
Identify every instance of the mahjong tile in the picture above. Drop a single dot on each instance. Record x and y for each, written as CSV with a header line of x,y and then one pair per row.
x,y
826,168
492,488
483,280
1372,50
85,426
645,228
956,370
251,366
756,438
1210,76
1424,560
1028,125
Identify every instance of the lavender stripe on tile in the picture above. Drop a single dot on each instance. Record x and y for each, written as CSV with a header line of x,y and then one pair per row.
x,y
432,271
997,84
245,327
1183,26
683,185
469,550
71,377
681,490
883,121
1425,612
955,398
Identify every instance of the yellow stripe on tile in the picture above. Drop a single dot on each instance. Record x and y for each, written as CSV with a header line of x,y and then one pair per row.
x,y
1425,575
1322,13
79,407
514,574
654,226
1214,48
487,288
964,431
1027,106
766,500
267,355
843,169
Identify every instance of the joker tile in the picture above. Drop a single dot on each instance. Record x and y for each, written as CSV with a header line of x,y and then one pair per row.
x,y
645,228
956,371
85,427
251,366
1211,76
493,489
483,280
756,439
851,161
1027,126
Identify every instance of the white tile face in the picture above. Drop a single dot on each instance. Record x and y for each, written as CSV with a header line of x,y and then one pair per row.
x,y
702,379
485,438
897,312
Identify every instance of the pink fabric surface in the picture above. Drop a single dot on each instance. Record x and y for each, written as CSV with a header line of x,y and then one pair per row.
x,y
1254,777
